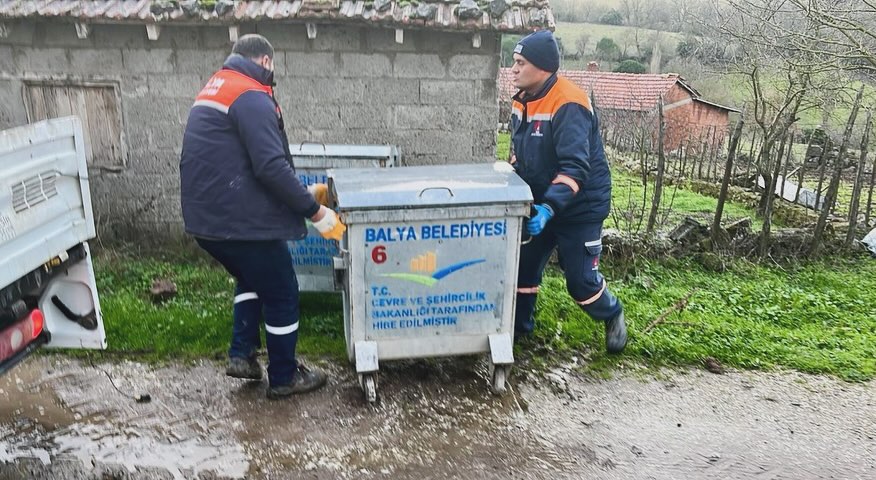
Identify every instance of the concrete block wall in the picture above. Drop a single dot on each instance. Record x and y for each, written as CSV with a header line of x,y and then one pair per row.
x,y
433,95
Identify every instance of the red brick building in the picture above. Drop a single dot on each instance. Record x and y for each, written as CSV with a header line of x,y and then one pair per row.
x,y
627,101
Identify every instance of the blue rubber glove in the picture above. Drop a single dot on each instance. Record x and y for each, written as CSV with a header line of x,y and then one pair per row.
x,y
536,224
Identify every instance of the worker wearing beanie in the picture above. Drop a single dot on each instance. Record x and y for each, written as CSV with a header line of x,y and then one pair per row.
x,y
558,151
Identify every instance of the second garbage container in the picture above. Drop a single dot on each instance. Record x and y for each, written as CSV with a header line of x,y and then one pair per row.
x,y
312,255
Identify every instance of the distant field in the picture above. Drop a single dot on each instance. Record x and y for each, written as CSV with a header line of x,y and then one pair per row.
x,y
570,32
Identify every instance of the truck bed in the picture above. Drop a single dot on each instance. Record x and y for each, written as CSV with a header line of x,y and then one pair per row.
x,y
45,204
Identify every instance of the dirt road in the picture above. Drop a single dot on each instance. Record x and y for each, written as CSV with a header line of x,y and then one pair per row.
x,y
61,418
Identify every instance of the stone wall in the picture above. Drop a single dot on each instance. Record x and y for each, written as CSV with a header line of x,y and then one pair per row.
x,y
434,96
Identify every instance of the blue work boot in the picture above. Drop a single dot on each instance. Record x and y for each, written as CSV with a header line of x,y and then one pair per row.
x,y
305,380
616,334
246,368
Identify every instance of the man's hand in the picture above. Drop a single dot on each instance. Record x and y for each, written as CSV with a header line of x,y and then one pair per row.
x,y
320,193
328,224
535,225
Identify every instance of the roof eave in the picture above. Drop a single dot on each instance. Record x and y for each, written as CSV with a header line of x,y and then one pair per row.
x,y
681,81
223,22
517,20
717,105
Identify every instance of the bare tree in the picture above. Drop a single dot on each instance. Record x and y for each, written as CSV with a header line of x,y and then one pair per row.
x,y
845,32
627,40
656,57
822,168
785,77
771,198
870,194
837,171
751,151
859,178
661,164
800,171
581,43
831,33
634,11
785,166
725,183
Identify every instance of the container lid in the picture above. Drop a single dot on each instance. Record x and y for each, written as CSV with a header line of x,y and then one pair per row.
x,y
427,186
319,155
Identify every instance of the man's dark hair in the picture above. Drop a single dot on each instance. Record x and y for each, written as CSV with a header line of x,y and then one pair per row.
x,y
253,46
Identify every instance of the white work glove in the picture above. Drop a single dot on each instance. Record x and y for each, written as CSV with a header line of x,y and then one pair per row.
x,y
504,167
330,226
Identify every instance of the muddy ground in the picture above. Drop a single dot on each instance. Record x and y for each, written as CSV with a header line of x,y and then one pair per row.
x,y
62,418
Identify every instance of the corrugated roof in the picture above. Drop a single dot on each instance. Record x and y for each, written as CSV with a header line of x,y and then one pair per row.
x,y
511,16
617,91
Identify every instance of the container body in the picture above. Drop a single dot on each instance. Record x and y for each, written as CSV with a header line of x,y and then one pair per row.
x,y
429,263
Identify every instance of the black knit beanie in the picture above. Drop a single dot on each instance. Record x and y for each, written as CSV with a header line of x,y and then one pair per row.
x,y
540,48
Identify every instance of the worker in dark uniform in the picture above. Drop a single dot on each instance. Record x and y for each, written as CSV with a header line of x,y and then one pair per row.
x,y
242,201
558,151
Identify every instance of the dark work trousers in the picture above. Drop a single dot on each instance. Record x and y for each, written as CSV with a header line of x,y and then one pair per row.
x,y
266,287
579,247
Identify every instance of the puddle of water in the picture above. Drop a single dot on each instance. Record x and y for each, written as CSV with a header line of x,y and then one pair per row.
x,y
35,423
429,411
96,443
200,421
23,395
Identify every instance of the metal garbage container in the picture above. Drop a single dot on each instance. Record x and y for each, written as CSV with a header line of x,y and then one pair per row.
x,y
312,256
428,266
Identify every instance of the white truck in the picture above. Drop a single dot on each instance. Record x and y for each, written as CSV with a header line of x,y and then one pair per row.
x,y
48,295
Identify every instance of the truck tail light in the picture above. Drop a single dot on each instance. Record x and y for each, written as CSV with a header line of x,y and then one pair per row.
x,y
37,322
19,335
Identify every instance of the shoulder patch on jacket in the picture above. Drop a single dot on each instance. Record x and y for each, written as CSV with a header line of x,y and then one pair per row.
x,y
226,86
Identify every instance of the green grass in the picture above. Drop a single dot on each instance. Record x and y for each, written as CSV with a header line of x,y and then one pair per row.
x,y
844,194
630,201
503,146
810,180
813,319
197,322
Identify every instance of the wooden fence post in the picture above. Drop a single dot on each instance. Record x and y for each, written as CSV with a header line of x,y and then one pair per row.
x,y
837,171
802,168
870,194
770,198
750,154
725,184
785,167
859,178
822,167
661,164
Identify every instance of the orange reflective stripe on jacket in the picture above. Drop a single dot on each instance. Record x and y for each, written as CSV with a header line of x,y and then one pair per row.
x,y
226,86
